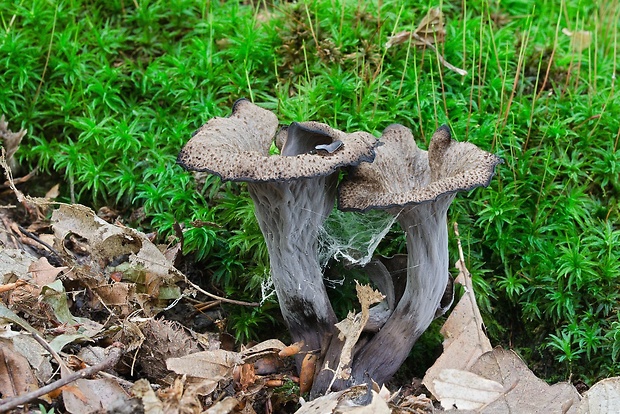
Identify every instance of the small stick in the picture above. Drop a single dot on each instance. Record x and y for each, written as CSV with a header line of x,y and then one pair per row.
x,y
458,242
111,360
48,348
439,56
38,240
211,295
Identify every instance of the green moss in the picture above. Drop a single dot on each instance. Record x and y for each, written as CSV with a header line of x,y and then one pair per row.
x,y
110,91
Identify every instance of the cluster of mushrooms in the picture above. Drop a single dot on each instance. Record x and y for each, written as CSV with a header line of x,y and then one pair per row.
x,y
295,191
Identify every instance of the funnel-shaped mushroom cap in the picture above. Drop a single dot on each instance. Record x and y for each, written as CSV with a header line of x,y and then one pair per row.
x,y
403,174
237,148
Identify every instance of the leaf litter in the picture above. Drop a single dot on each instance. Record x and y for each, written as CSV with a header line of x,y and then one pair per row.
x,y
89,291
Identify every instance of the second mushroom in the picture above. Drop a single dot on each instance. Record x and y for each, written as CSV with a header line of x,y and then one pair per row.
x,y
417,187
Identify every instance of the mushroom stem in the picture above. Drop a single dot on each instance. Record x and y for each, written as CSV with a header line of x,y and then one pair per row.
x,y
427,276
289,214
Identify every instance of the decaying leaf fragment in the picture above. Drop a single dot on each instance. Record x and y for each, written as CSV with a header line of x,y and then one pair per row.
x,y
465,390
351,327
429,32
16,376
603,397
524,391
150,402
216,364
471,376
580,40
464,337
100,249
10,140
359,399
43,272
86,396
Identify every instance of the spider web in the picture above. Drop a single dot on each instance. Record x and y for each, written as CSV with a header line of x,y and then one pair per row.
x,y
352,236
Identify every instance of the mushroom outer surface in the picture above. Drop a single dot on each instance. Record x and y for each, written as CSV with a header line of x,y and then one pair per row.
x,y
236,148
404,174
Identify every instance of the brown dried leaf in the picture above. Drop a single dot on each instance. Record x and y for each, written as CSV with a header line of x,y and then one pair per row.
x,y
603,397
247,375
431,28
93,396
351,327
580,40
98,249
306,373
525,393
43,272
291,350
347,401
226,406
464,337
465,390
53,192
37,356
214,365
14,264
10,140
150,402
268,347
16,376
184,396
430,31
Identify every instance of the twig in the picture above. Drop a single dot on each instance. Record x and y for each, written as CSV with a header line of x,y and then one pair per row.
x,y
211,295
48,348
38,240
19,180
458,242
111,360
439,56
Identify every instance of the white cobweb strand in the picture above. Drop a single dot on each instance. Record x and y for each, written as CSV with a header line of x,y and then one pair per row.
x,y
352,236
267,289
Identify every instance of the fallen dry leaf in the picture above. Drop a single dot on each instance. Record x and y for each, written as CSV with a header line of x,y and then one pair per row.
x,y
430,30
464,337
262,349
14,265
602,398
10,140
468,375
213,365
89,396
580,40
291,350
37,356
43,272
227,405
16,376
351,327
525,393
99,249
306,374
465,390
359,399
150,402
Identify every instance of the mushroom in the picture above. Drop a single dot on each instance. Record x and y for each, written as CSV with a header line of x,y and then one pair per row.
x,y
417,187
292,192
